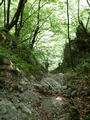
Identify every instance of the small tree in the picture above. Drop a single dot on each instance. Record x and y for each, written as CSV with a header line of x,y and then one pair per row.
x,y
71,59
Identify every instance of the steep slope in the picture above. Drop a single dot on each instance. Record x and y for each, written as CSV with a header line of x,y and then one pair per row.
x,y
20,55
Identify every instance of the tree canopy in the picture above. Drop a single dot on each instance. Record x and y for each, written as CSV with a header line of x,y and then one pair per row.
x,y
41,25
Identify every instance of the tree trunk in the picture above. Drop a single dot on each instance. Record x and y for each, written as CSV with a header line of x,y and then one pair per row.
x,y
8,11
17,31
16,15
71,59
37,28
34,37
4,13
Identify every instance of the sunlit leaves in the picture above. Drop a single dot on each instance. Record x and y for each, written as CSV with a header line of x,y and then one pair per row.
x,y
49,0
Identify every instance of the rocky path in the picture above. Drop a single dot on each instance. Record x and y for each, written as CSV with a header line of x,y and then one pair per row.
x,y
28,99
34,101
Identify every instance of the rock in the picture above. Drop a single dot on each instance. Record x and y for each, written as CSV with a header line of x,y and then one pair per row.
x,y
32,77
68,91
11,89
61,78
8,111
53,107
56,82
24,99
20,88
30,96
73,92
65,116
24,81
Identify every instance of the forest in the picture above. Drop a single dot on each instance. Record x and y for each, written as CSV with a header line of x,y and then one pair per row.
x,y
44,59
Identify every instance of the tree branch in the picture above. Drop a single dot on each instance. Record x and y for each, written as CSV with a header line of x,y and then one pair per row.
x,y
1,2
78,11
32,14
88,3
88,21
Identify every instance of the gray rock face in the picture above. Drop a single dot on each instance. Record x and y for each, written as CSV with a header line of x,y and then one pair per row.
x,y
16,111
52,106
9,112
35,102
56,82
24,81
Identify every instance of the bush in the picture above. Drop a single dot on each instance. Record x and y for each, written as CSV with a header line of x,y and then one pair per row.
x,y
87,118
84,66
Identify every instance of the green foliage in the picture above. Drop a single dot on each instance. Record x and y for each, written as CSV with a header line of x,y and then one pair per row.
x,y
72,84
50,0
3,51
15,79
84,66
73,108
74,112
55,26
87,118
20,63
